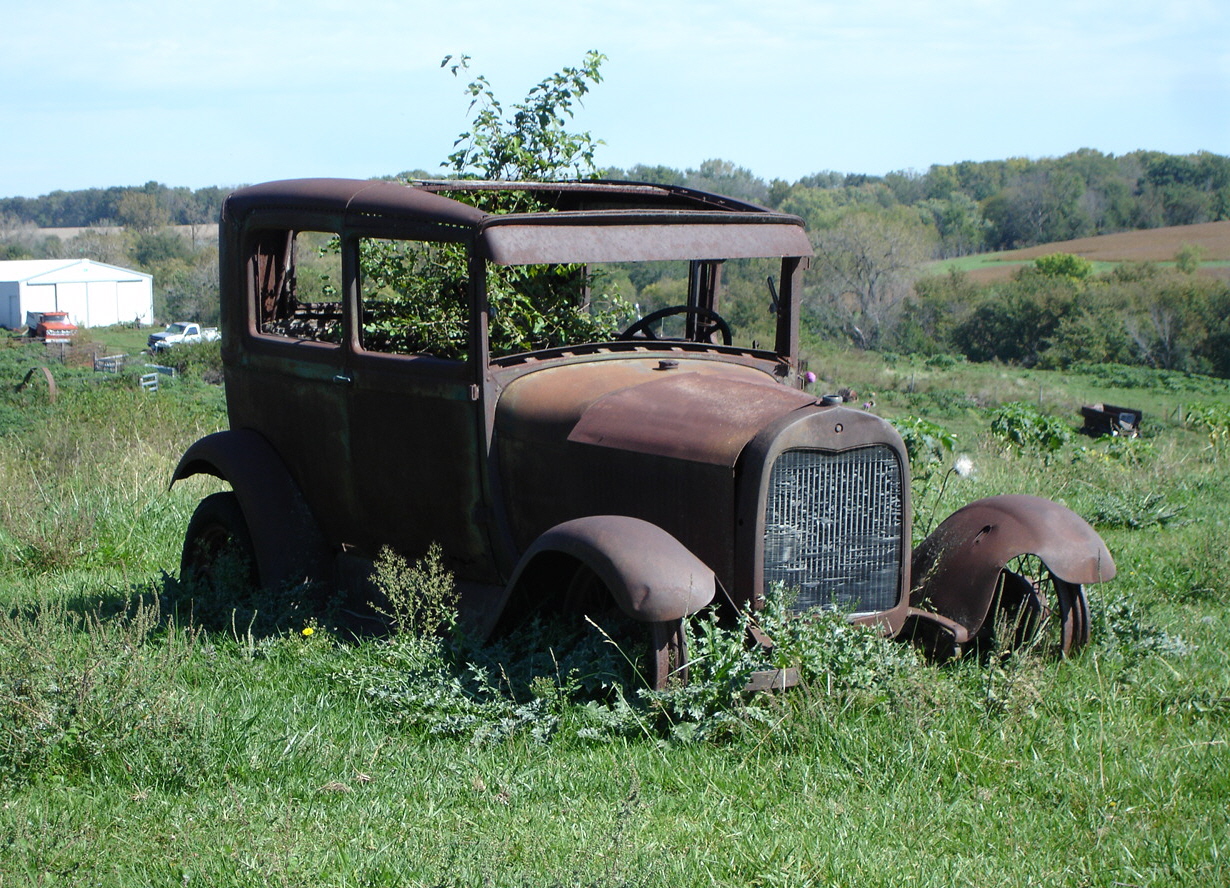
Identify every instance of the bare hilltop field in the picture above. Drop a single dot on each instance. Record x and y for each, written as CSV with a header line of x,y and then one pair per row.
x,y
1147,245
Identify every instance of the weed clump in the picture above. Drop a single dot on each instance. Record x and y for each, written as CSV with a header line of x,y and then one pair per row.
x,y
419,599
1018,426
80,694
197,360
1125,630
553,675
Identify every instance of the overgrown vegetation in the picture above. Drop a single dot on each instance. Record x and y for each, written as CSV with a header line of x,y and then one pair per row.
x,y
416,293
303,755
149,736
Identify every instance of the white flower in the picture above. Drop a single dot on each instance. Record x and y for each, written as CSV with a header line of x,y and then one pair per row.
x,y
964,466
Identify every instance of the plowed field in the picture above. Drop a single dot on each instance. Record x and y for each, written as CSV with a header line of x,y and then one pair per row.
x,y
1152,245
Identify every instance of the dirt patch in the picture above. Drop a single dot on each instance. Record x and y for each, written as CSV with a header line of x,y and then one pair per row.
x,y
1150,245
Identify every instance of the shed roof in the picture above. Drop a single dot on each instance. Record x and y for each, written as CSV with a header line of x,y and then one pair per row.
x,y
53,271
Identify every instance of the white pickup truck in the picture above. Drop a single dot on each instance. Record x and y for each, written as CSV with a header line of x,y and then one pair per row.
x,y
182,333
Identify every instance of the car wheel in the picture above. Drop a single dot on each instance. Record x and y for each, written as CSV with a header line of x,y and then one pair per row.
x,y
666,660
668,655
218,548
1036,609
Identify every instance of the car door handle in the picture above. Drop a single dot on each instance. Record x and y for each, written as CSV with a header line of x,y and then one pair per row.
x,y
342,379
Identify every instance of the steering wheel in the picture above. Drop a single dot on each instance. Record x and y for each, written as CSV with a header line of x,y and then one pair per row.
x,y
641,328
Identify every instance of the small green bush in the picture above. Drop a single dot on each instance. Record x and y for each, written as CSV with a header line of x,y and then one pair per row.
x,y
1130,509
1021,426
945,361
1064,265
419,599
198,360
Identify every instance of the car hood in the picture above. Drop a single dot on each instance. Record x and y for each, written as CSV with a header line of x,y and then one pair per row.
x,y
700,411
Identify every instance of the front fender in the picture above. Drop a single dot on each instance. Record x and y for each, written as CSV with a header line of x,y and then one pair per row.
x,y
956,569
288,543
651,575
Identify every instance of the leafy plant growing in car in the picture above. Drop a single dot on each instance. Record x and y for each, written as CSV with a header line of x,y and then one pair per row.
x,y
531,143
422,288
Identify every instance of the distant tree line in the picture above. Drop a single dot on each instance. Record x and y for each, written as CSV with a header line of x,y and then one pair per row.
x,y
183,262
1057,313
873,236
978,206
145,206
970,207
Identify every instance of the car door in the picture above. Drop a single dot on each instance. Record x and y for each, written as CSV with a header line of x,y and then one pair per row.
x,y
415,430
293,379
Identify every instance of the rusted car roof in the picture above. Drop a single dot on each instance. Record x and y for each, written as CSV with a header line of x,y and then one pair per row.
x,y
589,222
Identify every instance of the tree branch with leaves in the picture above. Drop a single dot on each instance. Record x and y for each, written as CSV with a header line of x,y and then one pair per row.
x,y
532,141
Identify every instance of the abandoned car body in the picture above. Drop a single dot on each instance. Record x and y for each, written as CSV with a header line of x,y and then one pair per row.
x,y
654,474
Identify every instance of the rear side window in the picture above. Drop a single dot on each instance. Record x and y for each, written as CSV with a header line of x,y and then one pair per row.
x,y
297,282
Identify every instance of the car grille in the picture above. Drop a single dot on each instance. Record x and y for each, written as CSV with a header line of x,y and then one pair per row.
x,y
833,524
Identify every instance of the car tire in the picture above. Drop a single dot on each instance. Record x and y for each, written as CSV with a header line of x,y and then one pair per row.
x,y
218,547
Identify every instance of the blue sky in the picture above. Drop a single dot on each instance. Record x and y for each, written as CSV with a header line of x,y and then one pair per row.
x,y
231,92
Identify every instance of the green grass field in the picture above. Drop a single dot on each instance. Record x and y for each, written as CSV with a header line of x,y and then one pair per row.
x,y
139,746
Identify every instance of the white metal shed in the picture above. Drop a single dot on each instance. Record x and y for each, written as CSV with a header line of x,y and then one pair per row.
x,y
93,293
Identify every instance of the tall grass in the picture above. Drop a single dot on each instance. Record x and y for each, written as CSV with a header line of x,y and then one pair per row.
x,y
135,749
85,478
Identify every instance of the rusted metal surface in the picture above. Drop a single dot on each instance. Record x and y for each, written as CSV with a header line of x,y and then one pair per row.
x,y
289,549
635,471
937,636
650,575
52,391
668,655
555,463
687,416
640,237
668,223
957,568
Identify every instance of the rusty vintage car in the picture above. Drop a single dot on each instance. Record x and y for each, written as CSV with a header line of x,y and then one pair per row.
x,y
656,472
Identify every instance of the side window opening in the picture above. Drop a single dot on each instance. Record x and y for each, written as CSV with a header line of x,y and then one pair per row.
x,y
414,298
298,280
415,301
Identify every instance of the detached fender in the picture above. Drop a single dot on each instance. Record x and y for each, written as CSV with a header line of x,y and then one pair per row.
x,y
651,575
956,569
288,543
